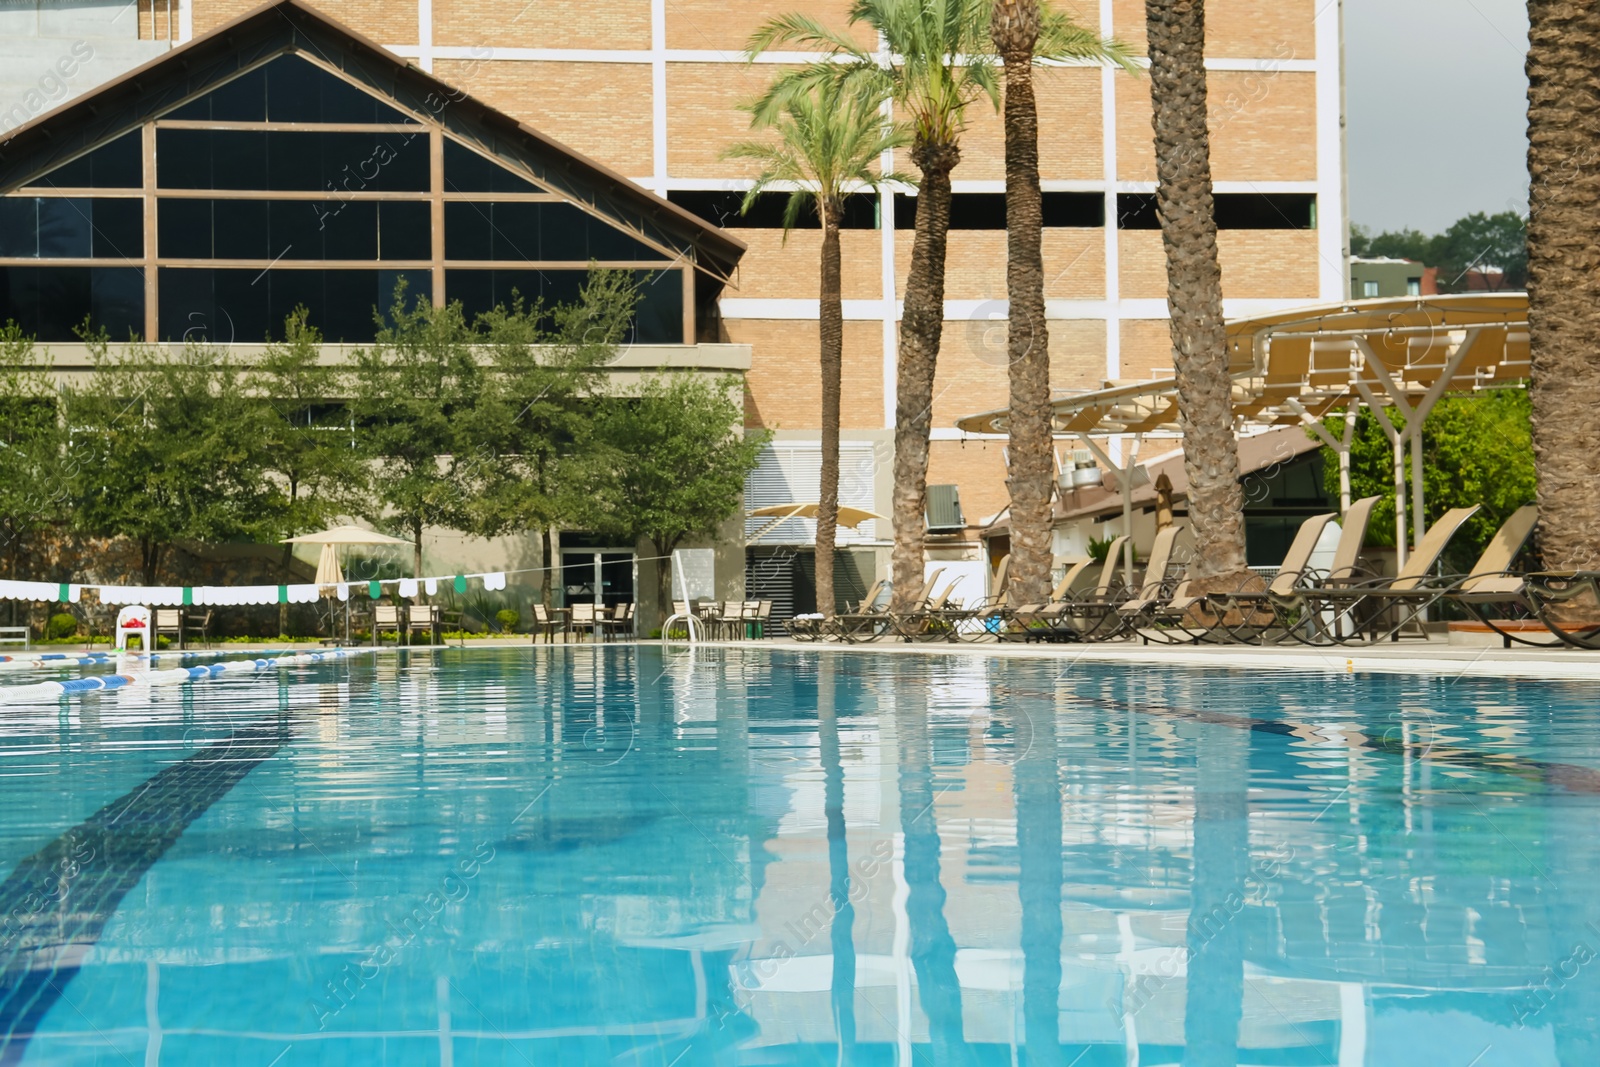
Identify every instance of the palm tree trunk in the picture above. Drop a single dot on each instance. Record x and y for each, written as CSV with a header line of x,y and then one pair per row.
x,y
921,328
1194,292
1563,284
832,357
1015,28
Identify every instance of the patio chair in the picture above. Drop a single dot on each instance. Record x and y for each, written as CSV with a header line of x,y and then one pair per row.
x,y
198,624
1359,607
387,617
871,619
808,627
585,617
1163,577
619,624
1248,615
1498,598
423,617
1038,622
167,621
546,623
1099,615
1568,604
936,620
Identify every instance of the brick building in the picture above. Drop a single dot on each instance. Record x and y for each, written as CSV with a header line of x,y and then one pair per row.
x,y
649,89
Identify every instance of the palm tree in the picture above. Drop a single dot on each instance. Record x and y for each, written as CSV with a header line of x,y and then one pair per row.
x,y
1017,28
937,62
1176,30
829,143
1563,289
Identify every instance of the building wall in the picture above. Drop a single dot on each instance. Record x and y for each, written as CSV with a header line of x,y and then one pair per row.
x,y
650,88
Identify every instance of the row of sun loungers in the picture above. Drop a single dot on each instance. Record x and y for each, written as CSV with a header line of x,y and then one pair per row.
x,y
1342,605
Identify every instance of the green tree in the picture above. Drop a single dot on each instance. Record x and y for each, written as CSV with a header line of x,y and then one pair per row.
x,y
678,460
1471,243
156,452
415,388
1475,450
533,461
829,143
315,469
30,448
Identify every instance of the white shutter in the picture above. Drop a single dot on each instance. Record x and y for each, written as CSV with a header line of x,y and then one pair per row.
x,y
790,472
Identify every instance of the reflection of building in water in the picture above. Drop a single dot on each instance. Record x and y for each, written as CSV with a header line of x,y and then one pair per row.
x,y
1328,920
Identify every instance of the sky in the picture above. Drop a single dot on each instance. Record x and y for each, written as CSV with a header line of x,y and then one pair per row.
x,y
1436,110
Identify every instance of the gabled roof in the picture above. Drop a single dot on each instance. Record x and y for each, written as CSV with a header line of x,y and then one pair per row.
x,y
282,26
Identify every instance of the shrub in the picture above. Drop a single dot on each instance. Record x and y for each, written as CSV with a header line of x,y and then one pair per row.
x,y
508,619
60,626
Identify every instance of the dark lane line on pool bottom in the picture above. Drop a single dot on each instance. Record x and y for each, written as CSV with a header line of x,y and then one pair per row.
x,y
57,902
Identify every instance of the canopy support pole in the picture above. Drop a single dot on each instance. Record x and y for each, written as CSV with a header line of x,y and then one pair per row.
x,y
1352,411
1397,441
1125,483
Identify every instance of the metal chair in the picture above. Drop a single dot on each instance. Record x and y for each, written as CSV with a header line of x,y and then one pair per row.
x,y
201,624
585,617
387,617
423,617
547,624
168,621
620,624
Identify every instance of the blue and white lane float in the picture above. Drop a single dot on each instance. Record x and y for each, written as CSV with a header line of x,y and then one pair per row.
x,y
56,660
44,692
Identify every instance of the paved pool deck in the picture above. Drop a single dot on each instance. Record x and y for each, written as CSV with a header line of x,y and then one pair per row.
x,y
1435,656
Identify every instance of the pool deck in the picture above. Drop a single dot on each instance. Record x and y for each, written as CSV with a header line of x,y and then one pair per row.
x,y
1413,656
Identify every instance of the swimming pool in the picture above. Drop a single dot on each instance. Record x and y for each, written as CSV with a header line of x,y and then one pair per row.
x,y
607,855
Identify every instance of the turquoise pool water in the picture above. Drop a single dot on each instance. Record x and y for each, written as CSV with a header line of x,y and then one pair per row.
x,y
608,856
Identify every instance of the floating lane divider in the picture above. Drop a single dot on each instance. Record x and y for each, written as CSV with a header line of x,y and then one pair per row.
x,y
45,692
51,660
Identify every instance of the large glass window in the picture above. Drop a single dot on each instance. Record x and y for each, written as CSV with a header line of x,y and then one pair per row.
x,y
223,305
51,302
293,229
116,164
280,159
533,232
71,228
465,171
288,89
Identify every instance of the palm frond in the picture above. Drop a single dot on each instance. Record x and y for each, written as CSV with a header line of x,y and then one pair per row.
x,y
800,29
1061,38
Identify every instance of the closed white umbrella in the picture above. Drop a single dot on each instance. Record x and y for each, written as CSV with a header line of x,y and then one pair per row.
x,y
328,572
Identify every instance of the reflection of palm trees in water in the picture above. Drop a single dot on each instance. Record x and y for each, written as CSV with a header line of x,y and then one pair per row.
x,y
1038,791
933,950
1214,997
1571,985
842,928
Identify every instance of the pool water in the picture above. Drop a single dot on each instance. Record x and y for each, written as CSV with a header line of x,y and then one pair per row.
x,y
580,855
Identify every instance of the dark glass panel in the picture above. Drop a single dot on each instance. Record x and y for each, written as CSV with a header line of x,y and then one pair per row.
x,y
405,231
538,231
300,232
114,165
1235,211
987,211
724,209
299,91
657,320
183,229
244,159
288,89
248,305
293,229
244,99
468,231
465,171
118,226
50,302
19,226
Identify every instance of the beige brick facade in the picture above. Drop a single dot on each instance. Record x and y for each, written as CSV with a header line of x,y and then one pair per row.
x,y
614,24
784,388
1237,29
775,269
586,74
590,106
1250,112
